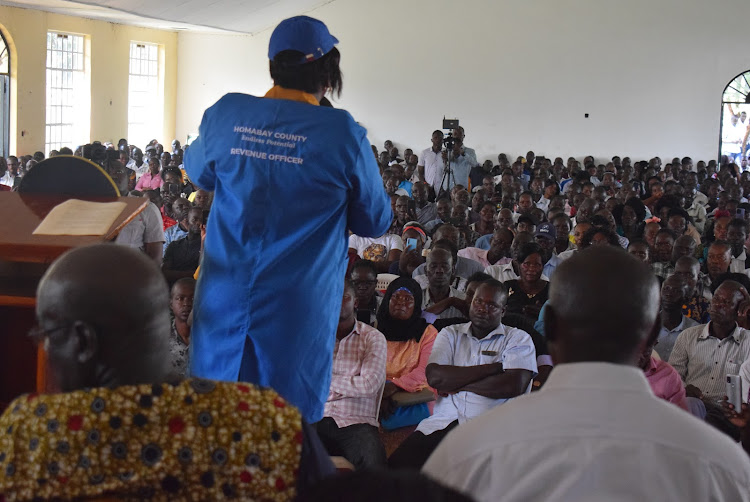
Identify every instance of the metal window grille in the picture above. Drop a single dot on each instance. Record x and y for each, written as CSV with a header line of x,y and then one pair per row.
x,y
65,90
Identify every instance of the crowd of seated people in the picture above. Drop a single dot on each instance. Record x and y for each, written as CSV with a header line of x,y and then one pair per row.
x,y
460,327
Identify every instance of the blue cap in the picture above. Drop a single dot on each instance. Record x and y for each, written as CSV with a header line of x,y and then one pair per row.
x,y
302,34
546,230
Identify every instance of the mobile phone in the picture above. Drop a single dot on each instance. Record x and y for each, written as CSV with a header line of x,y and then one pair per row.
x,y
411,244
734,391
412,205
741,214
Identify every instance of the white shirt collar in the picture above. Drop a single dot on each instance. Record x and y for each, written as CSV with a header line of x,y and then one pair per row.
x,y
499,331
597,375
736,333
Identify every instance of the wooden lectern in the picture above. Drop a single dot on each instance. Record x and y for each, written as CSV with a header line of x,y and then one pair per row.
x,y
24,257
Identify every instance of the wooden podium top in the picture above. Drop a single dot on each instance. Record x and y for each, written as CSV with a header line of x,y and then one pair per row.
x,y
22,213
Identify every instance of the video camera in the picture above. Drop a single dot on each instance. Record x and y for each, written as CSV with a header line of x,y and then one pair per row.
x,y
98,153
449,124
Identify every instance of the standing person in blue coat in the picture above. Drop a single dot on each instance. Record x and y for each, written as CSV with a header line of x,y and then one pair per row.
x,y
290,178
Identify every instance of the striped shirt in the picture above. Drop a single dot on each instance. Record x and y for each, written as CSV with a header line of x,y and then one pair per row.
x,y
704,361
358,377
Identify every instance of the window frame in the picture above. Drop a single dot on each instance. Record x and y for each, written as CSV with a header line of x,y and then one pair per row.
x,y
144,102
5,80
61,81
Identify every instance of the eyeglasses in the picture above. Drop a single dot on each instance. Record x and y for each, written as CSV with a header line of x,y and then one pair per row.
x,y
38,334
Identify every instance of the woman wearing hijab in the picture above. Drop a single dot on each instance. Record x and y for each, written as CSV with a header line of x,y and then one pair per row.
x,y
409,338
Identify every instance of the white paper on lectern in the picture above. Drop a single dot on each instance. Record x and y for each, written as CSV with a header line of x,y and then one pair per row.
x,y
80,217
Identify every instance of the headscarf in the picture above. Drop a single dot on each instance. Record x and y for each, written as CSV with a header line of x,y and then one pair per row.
x,y
397,330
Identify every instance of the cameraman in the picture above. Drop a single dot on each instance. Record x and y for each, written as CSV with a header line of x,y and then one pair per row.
x,y
460,159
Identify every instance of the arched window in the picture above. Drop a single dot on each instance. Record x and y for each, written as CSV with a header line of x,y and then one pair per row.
x,y
4,97
735,119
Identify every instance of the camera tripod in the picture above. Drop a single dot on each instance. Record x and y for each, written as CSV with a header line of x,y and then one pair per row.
x,y
448,176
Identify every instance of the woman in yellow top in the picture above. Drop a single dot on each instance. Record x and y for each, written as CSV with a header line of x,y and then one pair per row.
x,y
409,338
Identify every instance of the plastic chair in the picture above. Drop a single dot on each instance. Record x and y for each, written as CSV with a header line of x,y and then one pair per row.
x,y
68,175
384,280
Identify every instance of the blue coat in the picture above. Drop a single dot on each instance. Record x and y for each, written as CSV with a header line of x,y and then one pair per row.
x,y
290,179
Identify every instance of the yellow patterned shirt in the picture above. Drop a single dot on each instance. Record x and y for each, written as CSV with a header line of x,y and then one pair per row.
x,y
196,440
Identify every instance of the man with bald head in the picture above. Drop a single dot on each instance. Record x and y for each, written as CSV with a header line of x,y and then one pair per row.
x,y
596,409
465,267
120,426
705,354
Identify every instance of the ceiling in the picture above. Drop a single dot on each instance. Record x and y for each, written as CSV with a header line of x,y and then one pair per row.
x,y
239,16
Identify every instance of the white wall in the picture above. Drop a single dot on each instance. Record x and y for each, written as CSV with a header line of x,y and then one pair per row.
x,y
519,74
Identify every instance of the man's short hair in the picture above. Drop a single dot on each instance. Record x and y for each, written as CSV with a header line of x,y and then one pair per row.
x,y
639,242
666,231
366,264
719,243
447,245
678,211
184,281
738,223
478,277
527,250
561,216
494,283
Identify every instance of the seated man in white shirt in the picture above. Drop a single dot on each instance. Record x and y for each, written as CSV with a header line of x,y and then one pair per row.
x,y
10,173
568,441
705,354
474,367
350,420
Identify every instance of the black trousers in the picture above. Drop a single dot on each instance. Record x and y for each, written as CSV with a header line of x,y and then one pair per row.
x,y
417,448
360,444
